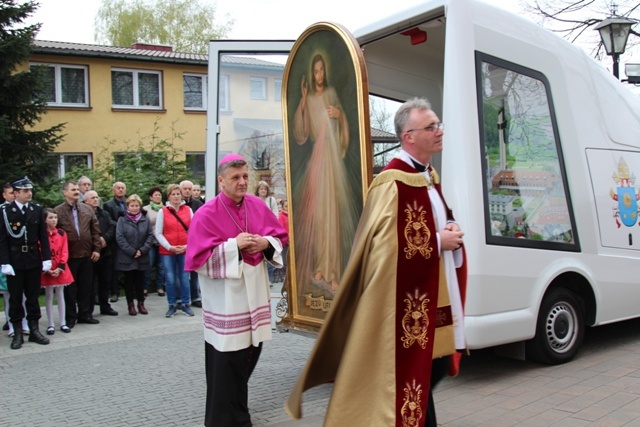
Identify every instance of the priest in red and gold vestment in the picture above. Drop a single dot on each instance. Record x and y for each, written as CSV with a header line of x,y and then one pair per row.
x,y
400,302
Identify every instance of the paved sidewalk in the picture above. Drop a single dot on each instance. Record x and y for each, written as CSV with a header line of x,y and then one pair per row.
x,y
149,371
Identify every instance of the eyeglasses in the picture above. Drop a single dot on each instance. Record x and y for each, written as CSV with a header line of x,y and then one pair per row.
x,y
431,128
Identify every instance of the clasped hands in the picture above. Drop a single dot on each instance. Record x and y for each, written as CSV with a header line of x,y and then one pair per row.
x,y
451,237
54,273
178,249
251,243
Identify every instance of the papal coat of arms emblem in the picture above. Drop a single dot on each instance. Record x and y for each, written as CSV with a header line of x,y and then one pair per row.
x,y
626,211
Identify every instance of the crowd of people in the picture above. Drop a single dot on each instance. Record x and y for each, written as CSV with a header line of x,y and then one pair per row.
x,y
233,245
83,251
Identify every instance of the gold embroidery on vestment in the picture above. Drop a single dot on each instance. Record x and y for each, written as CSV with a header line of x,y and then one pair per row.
x,y
415,321
411,411
416,232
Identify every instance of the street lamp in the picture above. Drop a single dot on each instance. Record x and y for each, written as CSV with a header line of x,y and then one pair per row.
x,y
614,32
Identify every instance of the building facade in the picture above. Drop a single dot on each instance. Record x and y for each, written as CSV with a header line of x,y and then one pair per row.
x,y
113,98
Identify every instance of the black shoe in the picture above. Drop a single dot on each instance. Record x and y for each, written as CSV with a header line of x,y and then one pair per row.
x,y
17,341
71,324
89,320
35,335
196,304
114,298
109,312
5,327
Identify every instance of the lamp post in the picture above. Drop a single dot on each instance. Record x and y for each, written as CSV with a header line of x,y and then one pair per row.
x,y
614,32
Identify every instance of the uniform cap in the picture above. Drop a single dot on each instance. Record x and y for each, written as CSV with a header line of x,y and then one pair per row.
x,y
23,183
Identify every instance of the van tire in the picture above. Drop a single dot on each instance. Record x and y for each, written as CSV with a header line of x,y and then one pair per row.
x,y
559,328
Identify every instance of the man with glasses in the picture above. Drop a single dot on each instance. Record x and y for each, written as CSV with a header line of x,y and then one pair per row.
x,y
399,304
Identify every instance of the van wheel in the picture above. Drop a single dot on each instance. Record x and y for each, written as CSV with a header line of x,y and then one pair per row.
x,y
559,329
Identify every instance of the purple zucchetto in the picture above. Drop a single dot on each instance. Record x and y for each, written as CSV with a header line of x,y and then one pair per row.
x,y
232,157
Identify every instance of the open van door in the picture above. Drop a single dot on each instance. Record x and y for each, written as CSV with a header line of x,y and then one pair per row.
x,y
244,112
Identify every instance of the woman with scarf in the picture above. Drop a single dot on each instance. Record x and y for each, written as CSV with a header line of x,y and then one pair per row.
x,y
154,206
135,238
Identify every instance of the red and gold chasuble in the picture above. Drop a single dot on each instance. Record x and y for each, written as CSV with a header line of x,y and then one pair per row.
x,y
378,341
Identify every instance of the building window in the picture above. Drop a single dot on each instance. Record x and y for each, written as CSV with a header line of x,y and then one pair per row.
x,y
69,161
66,85
258,88
136,88
195,91
195,164
223,93
277,89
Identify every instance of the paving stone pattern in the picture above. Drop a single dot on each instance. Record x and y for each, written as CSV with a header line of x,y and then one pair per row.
x,y
149,371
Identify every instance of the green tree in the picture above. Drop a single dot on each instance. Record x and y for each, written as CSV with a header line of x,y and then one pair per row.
x,y
23,150
150,161
186,25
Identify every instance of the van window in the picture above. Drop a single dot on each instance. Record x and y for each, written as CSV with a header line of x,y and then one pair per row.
x,y
526,197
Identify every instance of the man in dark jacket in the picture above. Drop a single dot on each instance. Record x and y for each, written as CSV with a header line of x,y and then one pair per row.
x,y
103,269
186,188
83,234
24,254
115,208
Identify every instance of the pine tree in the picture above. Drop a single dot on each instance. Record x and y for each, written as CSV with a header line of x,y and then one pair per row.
x,y
23,150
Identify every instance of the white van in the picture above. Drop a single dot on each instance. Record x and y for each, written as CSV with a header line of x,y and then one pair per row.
x,y
541,152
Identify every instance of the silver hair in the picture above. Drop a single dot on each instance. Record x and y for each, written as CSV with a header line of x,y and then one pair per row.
x,y
404,113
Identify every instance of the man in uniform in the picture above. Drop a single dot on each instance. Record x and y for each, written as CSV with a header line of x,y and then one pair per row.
x,y
24,254
399,305
8,197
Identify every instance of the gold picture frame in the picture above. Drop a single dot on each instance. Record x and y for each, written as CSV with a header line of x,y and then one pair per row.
x,y
328,164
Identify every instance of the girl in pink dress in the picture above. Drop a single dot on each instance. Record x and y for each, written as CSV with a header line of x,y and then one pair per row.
x,y
59,276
